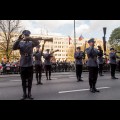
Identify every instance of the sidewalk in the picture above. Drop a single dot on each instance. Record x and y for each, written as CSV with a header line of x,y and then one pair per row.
x,y
57,73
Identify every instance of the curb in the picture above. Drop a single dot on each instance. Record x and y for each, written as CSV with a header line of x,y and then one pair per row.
x,y
61,73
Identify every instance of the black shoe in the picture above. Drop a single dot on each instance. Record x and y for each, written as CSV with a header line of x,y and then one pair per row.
x,y
50,79
114,78
24,97
47,79
37,84
30,97
80,80
96,90
92,90
40,83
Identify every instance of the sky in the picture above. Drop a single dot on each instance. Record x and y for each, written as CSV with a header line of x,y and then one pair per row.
x,y
88,28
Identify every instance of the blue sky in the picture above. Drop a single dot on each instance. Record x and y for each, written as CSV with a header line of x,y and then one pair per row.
x,y
88,28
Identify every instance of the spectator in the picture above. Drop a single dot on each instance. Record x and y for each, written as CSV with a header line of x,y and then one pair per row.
x,y
8,67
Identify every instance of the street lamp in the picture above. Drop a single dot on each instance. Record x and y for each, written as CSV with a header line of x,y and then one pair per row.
x,y
74,36
104,41
104,30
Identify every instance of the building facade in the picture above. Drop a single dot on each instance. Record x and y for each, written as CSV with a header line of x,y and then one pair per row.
x,y
66,50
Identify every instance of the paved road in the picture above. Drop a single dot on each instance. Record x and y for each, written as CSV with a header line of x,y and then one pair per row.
x,y
63,86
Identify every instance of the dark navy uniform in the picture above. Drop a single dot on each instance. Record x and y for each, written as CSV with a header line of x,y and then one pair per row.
x,y
38,65
92,66
113,57
78,60
100,61
26,62
48,64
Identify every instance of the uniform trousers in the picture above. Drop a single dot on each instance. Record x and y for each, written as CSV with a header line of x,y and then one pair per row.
x,y
93,75
26,76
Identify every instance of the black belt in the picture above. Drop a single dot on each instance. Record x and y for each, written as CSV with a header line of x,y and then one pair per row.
x,y
26,54
38,60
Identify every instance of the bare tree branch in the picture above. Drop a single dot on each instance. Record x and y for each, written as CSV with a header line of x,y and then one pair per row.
x,y
8,28
3,45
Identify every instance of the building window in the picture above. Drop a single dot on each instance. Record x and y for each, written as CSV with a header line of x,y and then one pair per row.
x,y
59,54
59,42
59,46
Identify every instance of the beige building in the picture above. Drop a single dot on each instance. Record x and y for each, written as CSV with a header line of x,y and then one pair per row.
x,y
61,43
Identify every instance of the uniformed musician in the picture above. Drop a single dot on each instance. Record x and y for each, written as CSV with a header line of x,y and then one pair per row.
x,y
78,55
92,64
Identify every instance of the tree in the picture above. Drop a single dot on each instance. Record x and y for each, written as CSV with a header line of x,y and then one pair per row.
x,y
114,39
7,29
70,53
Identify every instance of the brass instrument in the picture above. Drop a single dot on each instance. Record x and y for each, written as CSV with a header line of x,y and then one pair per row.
x,y
117,51
37,39
52,57
84,50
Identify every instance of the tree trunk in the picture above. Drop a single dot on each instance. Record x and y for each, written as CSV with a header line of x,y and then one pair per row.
x,y
7,56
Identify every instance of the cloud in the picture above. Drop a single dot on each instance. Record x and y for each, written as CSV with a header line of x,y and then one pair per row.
x,y
56,34
35,26
82,28
89,28
94,28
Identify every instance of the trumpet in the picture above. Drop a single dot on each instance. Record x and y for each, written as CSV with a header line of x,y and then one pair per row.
x,y
117,51
36,39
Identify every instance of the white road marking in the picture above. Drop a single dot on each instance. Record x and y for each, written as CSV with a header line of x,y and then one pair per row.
x,y
54,78
51,78
15,80
80,90
72,77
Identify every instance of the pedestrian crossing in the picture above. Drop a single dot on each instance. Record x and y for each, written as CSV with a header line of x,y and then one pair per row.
x,y
15,80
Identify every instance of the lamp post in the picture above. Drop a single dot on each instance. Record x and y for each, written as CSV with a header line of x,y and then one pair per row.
x,y
104,41
74,36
